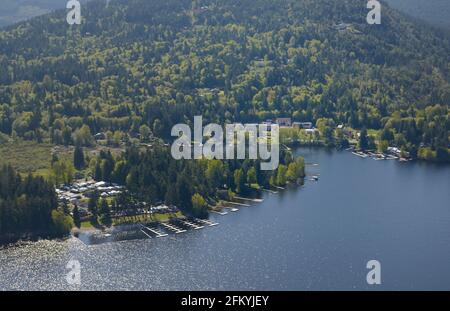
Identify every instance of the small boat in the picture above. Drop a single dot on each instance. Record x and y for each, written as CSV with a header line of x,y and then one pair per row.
x,y
315,178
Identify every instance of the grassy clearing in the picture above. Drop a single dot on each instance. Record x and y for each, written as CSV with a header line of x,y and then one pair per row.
x,y
26,156
86,225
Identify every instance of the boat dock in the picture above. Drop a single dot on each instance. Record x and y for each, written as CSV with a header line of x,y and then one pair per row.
x,y
281,188
156,232
172,228
249,199
270,191
220,213
190,224
206,222
360,154
239,204
148,235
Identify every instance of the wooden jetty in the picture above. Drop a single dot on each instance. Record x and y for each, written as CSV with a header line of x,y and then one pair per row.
x,y
190,224
281,188
156,232
220,213
239,204
249,199
270,191
172,228
206,222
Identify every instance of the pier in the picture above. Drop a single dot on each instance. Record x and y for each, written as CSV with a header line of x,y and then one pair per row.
x,y
172,228
156,232
206,222
148,235
239,204
233,209
220,213
270,191
249,199
360,154
190,224
281,188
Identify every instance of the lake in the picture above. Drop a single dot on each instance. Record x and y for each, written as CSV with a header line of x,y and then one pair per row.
x,y
316,237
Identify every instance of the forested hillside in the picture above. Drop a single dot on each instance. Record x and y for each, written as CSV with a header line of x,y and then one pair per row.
x,y
157,63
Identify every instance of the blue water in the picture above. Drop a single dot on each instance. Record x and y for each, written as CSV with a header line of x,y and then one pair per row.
x,y
317,237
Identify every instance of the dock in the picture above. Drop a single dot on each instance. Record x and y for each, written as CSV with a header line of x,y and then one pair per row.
x,y
249,199
148,235
206,222
270,191
220,213
239,204
190,224
155,231
172,228
360,154
233,209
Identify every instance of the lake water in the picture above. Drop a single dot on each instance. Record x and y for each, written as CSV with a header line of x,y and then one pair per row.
x,y
317,237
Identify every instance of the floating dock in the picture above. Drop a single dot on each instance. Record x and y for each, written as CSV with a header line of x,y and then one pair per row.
x,y
206,222
190,224
270,191
148,235
156,232
360,154
172,228
281,188
239,204
220,213
249,199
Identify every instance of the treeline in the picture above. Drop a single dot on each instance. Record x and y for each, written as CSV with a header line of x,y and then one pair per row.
x,y
29,208
422,133
154,176
154,64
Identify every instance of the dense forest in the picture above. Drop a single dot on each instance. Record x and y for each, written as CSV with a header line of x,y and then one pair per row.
x,y
157,63
154,176
29,208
